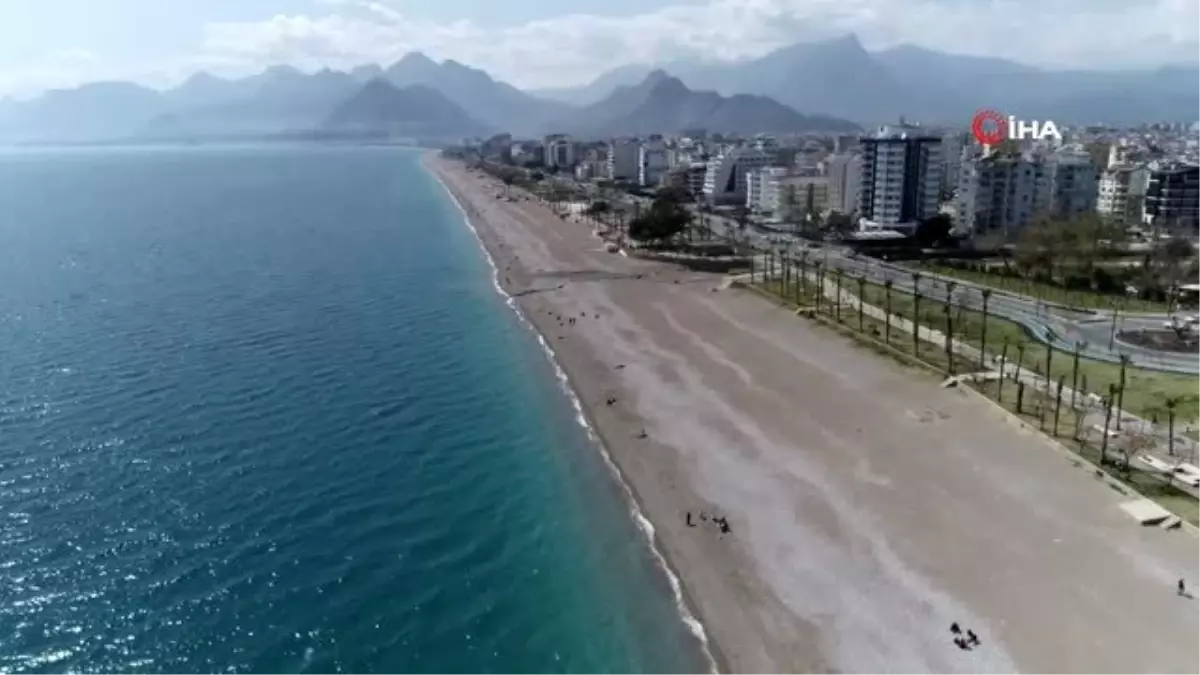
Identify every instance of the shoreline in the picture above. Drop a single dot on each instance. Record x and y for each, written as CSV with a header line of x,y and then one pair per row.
x,y
865,507
687,615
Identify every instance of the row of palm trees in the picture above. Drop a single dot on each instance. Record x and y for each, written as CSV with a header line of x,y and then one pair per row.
x,y
1078,379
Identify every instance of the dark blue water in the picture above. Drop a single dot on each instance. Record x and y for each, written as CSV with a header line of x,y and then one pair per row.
x,y
262,410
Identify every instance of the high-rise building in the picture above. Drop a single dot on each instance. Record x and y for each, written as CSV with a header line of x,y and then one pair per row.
x,y
901,178
1073,180
652,161
1004,191
775,191
725,176
1000,193
1173,197
1122,193
623,159
559,151
844,172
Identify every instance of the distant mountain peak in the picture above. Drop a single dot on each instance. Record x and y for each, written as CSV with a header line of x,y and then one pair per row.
x,y
416,58
202,78
283,70
665,84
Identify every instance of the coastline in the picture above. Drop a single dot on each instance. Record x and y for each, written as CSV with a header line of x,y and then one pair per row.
x,y
709,651
721,403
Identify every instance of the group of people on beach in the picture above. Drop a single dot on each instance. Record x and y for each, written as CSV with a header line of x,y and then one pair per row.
x,y
722,522
962,640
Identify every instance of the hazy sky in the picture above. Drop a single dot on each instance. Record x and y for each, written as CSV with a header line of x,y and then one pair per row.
x,y
52,43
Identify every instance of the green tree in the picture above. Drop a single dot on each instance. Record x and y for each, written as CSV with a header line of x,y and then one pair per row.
x,y
664,220
934,230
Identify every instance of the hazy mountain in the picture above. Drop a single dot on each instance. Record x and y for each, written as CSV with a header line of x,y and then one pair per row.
x,y
599,88
98,111
663,104
839,77
497,104
367,72
280,99
417,110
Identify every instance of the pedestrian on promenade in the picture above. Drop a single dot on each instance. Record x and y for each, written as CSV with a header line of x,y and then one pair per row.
x,y
1181,588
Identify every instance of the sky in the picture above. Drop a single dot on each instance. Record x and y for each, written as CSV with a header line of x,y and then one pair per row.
x,y
539,43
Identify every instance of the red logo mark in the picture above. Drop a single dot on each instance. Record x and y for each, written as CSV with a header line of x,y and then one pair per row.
x,y
989,127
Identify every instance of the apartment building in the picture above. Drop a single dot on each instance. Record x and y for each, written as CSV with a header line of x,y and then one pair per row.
x,y
775,191
901,178
559,151
1004,191
725,175
622,161
1173,197
1122,193
843,171
652,161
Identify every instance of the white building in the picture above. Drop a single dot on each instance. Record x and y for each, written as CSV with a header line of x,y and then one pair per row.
x,y
1005,192
725,176
652,162
1122,193
1073,183
773,191
762,189
844,172
900,179
1000,193
623,160
559,152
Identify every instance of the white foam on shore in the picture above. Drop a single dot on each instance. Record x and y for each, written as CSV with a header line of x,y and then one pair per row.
x,y
643,523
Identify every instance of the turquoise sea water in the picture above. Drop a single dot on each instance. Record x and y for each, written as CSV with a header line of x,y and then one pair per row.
x,y
261,409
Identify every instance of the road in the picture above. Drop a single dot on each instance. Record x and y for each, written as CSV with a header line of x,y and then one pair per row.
x,y
1045,322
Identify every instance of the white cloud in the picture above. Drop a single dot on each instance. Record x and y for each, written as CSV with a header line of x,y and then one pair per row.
x,y
572,48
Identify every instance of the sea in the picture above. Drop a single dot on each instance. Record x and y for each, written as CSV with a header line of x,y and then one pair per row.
x,y
264,409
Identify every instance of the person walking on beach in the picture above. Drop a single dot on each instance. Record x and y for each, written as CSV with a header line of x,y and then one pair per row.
x,y
954,629
971,637
1181,588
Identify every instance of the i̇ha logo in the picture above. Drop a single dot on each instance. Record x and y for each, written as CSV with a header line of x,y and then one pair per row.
x,y
990,128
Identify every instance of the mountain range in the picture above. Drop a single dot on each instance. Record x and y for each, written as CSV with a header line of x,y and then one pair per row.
x,y
662,104
831,81
841,78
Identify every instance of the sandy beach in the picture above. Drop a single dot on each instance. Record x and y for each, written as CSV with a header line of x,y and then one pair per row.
x,y
868,507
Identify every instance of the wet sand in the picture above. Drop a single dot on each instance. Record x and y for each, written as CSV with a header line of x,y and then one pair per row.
x,y
869,508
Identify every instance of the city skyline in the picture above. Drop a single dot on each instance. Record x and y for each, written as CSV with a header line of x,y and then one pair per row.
x,y
63,43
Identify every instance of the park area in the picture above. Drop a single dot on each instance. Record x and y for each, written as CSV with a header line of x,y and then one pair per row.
x,y
1166,398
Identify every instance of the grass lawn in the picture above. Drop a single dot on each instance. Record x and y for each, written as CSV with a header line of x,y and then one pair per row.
x,y
1146,391
1049,292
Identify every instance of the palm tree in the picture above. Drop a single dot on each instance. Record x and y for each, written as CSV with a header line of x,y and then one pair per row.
x,y
820,283
1020,361
1058,402
916,317
986,293
862,282
887,311
949,341
1003,365
1125,361
1108,409
1171,403
804,271
837,308
1075,372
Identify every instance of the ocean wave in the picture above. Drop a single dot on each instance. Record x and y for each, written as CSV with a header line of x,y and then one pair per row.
x,y
643,523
